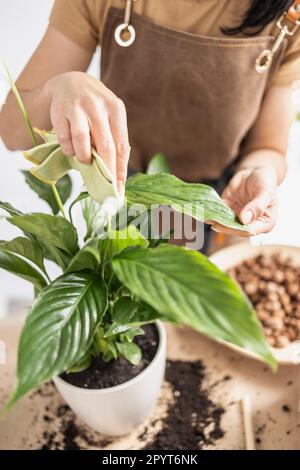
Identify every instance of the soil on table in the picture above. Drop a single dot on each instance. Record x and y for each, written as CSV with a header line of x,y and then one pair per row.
x,y
193,420
101,374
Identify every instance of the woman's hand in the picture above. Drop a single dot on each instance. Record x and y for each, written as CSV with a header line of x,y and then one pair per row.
x,y
85,112
251,193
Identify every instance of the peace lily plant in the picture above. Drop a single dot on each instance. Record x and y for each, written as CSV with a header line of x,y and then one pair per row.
x,y
118,279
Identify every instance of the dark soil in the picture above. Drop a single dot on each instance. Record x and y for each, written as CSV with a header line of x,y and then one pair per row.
x,y
67,434
193,420
104,375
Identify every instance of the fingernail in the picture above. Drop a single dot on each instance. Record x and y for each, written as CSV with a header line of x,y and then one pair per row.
x,y
247,217
216,230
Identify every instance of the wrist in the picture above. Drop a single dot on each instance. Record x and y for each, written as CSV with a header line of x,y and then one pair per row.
x,y
49,87
268,160
268,172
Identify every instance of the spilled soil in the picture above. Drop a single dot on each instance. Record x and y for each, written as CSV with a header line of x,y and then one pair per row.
x,y
193,420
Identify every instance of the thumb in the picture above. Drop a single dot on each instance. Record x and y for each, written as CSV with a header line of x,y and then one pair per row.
x,y
255,208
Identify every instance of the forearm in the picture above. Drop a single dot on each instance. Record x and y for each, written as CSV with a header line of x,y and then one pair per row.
x,y
37,105
33,85
266,143
265,158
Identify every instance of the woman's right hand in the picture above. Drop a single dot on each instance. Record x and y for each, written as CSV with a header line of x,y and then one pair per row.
x,y
83,111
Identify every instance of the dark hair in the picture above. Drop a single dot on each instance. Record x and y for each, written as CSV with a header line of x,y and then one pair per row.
x,y
259,14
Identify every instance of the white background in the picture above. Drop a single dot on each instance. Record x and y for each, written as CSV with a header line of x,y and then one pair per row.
x,y
22,23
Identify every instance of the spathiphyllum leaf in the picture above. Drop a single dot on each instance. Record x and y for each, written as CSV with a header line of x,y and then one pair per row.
x,y
16,265
60,329
197,200
130,351
13,211
119,240
158,164
25,248
87,258
44,191
53,230
94,219
128,314
187,288
83,195
9,208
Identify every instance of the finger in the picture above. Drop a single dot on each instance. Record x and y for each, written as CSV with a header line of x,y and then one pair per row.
x,y
266,223
63,131
118,125
255,208
102,137
80,132
219,228
234,204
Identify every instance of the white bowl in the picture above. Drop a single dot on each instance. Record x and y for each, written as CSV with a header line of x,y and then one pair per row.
x,y
118,410
231,256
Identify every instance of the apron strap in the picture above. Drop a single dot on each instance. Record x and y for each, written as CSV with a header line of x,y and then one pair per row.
x,y
288,24
125,32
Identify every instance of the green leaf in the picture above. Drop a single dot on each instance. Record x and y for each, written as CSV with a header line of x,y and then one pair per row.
x,y
79,198
197,200
103,347
56,255
13,211
28,249
128,314
130,334
21,268
60,329
158,164
119,240
91,211
186,287
44,191
131,351
54,230
87,258
82,364
48,253
9,208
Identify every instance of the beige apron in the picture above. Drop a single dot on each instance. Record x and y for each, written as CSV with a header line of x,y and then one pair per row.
x,y
192,98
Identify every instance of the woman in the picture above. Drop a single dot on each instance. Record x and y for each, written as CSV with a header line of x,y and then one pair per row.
x,y
194,79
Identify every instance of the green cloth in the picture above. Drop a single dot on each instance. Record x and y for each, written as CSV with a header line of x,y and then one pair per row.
x,y
52,165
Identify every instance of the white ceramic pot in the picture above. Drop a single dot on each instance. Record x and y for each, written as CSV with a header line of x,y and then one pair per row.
x,y
118,410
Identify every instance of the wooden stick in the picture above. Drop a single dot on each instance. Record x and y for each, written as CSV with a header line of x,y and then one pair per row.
x,y
247,421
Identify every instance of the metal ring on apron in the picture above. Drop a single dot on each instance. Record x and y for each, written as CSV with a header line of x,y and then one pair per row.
x,y
265,59
125,27
119,32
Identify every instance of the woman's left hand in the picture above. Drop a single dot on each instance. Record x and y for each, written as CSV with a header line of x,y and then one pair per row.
x,y
251,194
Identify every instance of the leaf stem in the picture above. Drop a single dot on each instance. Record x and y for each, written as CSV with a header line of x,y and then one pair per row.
x,y
29,126
20,103
58,200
